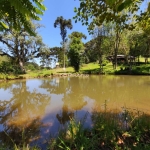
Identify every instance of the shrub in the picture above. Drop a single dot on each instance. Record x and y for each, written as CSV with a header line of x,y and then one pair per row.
x,y
9,68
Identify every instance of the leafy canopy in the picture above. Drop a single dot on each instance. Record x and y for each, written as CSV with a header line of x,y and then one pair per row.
x,y
76,49
96,12
17,13
63,24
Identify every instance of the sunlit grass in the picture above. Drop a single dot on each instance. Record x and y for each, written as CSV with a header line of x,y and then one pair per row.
x,y
8,76
62,70
91,68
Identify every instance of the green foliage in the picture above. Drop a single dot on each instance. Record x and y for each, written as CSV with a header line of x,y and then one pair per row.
x,y
31,66
139,69
45,56
58,52
120,13
99,11
17,147
9,68
3,58
19,13
73,137
63,24
76,49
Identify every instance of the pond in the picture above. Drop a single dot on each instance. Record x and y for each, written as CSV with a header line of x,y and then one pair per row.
x,y
38,108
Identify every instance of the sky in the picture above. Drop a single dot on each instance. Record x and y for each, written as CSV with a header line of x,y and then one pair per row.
x,y
56,8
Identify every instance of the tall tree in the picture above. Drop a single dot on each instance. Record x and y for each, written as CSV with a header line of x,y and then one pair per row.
x,y
90,53
76,49
20,45
63,24
99,34
145,26
137,43
18,13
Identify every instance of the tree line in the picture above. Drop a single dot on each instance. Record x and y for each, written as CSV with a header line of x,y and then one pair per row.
x,y
116,27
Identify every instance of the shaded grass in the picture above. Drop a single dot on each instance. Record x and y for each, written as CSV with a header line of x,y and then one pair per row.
x,y
110,131
143,69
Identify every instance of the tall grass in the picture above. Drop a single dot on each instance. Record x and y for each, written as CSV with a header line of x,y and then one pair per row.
x,y
22,146
111,131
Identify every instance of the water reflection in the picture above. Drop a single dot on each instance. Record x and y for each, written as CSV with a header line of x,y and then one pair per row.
x,y
21,134
72,93
22,113
65,116
38,107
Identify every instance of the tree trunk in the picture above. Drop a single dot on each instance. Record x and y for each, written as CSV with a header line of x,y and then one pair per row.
x,y
100,63
64,65
116,49
21,66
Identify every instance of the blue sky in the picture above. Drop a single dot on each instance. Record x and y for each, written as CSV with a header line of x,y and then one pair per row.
x,y
55,8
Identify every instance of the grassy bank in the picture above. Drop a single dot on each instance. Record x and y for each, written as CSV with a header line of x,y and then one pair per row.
x,y
91,68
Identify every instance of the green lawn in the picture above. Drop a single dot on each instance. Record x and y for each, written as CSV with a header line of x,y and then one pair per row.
x,y
91,68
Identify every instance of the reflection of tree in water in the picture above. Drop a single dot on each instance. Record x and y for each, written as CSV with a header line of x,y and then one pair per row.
x,y
65,116
116,88
8,85
74,97
73,100
72,89
22,111
56,85
22,134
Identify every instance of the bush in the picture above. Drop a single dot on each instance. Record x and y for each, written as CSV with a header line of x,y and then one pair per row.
x,y
31,66
8,68
105,62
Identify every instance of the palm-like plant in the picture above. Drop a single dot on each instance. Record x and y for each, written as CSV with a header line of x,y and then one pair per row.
x,y
17,13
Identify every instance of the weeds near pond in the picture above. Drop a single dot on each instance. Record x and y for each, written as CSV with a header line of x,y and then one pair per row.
x,y
127,130
23,146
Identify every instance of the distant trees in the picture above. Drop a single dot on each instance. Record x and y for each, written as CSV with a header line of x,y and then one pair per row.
x,y
99,34
76,49
101,44
45,56
145,26
118,12
90,53
58,53
63,24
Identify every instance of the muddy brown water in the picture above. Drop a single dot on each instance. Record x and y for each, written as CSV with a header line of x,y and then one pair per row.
x,y
38,108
